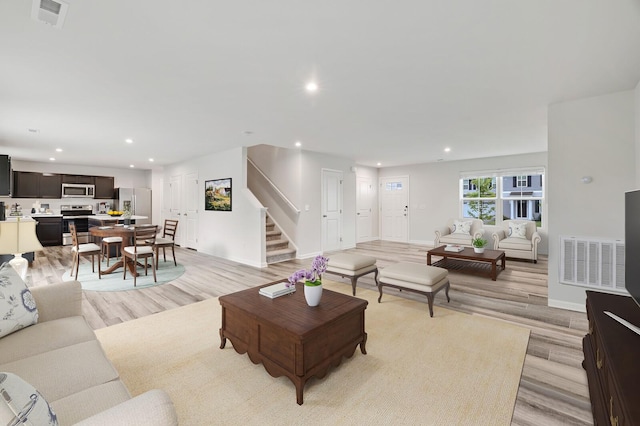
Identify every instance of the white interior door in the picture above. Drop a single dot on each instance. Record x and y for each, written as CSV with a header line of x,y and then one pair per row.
x,y
175,203
331,210
190,215
394,208
364,208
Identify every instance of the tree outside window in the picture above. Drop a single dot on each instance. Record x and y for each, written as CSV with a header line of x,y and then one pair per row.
x,y
480,202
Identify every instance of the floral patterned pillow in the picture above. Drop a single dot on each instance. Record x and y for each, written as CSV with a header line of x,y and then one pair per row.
x,y
518,230
17,306
22,404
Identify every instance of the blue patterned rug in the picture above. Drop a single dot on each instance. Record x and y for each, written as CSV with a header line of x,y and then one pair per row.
x,y
113,282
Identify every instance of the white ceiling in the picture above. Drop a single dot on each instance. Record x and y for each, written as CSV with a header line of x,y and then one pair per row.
x,y
399,81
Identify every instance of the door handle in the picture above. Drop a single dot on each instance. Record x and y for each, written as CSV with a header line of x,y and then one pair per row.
x,y
358,214
324,215
185,214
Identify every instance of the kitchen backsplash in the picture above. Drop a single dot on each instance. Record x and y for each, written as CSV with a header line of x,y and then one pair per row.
x,y
54,204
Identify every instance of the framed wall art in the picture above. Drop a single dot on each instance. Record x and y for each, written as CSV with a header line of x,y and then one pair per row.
x,y
217,195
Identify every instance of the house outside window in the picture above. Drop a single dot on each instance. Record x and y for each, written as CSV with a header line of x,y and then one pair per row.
x,y
506,195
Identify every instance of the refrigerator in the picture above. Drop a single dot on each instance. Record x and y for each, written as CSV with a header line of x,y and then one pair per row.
x,y
138,199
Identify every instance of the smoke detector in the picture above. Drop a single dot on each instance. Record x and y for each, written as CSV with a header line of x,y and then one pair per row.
x,y
50,12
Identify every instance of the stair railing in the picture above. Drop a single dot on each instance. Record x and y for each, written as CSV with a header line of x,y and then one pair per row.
x,y
275,188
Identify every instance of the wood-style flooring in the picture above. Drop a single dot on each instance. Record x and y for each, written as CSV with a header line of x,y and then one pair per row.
x,y
553,388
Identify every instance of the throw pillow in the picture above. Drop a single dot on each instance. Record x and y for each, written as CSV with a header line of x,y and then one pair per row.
x,y
17,306
462,227
21,403
518,230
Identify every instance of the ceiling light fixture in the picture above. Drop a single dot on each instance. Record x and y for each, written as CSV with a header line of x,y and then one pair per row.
x,y
379,164
447,149
52,159
311,87
151,160
128,140
58,149
131,165
298,144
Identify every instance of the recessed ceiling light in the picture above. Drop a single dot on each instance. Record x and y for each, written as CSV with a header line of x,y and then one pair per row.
x,y
52,159
379,164
128,140
298,144
447,149
151,160
58,149
311,87
131,165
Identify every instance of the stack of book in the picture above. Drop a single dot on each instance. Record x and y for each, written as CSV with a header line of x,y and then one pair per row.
x,y
454,248
277,290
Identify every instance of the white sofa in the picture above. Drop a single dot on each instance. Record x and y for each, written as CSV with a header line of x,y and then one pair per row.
x,y
62,359
448,235
520,245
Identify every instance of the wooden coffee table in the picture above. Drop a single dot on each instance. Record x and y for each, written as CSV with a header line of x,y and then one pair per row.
x,y
469,261
291,338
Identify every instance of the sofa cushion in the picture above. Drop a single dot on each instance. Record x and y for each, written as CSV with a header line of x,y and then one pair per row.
x,y
414,273
515,244
462,227
65,371
21,403
517,230
88,402
461,239
17,305
43,337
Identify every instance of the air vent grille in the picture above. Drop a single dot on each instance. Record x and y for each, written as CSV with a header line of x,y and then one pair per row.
x,y
592,262
51,12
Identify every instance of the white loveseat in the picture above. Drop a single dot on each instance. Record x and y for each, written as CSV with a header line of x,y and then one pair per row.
x,y
518,239
463,237
62,359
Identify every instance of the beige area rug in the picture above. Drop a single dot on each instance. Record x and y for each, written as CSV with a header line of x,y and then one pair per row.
x,y
453,368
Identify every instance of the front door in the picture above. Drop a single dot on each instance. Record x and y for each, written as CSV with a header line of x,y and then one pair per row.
x,y
331,210
394,208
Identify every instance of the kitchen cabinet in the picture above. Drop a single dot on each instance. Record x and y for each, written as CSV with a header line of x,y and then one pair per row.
x,y
104,187
49,230
36,185
78,179
5,175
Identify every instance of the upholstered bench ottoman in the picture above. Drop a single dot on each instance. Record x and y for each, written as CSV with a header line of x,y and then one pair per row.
x,y
353,266
416,277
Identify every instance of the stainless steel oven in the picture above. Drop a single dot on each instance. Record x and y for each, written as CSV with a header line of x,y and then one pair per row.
x,y
78,214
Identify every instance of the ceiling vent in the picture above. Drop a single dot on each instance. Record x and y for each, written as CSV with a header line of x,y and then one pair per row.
x,y
51,12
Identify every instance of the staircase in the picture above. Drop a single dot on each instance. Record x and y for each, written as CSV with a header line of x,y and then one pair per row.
x,y
278,249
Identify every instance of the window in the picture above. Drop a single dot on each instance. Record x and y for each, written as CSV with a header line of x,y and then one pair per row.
x,y
394,186
479,199
502,195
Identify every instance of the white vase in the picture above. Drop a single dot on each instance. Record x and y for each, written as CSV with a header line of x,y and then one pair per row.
x,y
312,294
478,249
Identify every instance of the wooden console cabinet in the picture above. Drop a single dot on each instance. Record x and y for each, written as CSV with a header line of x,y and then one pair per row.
x,y
612,360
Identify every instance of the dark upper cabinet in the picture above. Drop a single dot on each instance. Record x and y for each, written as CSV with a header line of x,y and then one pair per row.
x,y
26,184
50,185
5,175
36,185
78,179
104,187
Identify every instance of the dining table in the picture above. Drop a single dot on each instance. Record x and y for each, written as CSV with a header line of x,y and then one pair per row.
x,y
126,232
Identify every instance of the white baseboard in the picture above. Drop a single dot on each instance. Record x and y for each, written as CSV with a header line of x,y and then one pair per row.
x,y
578,307
422,242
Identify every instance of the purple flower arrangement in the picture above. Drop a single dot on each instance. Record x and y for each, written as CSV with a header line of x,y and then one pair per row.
x,y
311,276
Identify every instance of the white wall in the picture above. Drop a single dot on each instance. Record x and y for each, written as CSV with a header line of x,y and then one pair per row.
x,y
434,194
588,137
236,235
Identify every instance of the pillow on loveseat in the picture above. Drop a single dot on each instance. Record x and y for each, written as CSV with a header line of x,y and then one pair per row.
x,y
21,403
17,305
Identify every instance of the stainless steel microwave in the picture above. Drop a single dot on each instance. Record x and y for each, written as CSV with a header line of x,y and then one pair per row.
x,y
78,190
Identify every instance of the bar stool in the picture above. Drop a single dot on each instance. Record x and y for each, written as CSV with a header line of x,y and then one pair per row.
x,y
106,247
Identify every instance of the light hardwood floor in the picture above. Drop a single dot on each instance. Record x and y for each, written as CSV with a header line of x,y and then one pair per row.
x,y
553,388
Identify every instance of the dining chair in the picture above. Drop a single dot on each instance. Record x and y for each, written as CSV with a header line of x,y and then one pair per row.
x,y
106,247
143,239
167,240
88,249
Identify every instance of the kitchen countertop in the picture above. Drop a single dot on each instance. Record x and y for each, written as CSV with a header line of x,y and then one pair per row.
x,y
44,215
107,217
